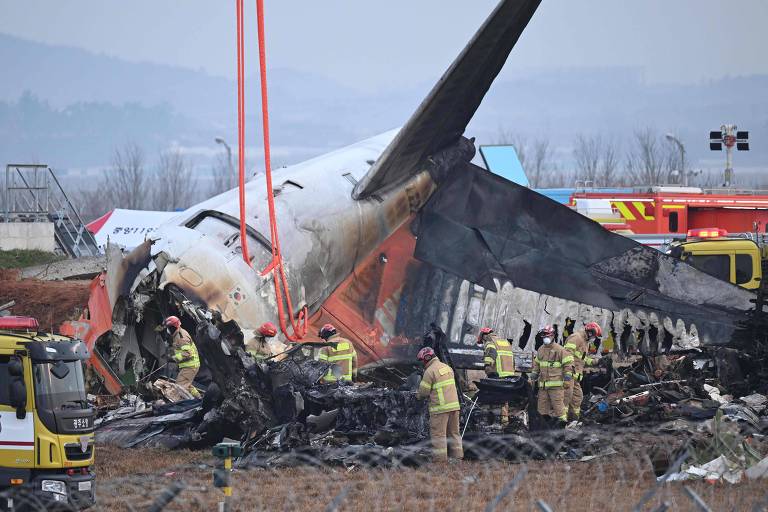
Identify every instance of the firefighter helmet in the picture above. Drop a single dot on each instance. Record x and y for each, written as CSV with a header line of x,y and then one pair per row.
x,y
268,329
483,332
327,331
593,327
547,332
425,354
172,321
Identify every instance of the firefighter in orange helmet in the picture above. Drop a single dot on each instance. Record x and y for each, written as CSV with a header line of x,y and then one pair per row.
x,y
552,368
341,354
499,361
577,344
258,346
439,385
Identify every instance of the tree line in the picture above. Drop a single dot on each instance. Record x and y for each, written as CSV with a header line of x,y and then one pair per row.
x,y
648,158
171,182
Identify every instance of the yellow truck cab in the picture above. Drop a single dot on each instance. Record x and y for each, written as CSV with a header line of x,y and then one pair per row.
x,y
738,260
46,424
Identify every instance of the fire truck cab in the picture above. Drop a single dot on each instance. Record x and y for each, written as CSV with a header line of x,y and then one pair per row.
x,y
46,423
734,259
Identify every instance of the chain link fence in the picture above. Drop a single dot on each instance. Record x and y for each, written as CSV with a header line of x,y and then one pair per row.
x,y
587,469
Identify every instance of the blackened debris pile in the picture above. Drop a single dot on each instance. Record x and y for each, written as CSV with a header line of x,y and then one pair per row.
x,y
391,416
694,386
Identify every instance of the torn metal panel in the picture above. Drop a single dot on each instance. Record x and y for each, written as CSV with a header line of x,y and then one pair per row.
x,y
541,246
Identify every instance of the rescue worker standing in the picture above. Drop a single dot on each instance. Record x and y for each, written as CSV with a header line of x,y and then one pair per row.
x,y
499,362
577,344
258,346
184,354
553,368
439,385
341,354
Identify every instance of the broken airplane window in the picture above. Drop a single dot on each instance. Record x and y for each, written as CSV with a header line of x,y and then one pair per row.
x,y
226,230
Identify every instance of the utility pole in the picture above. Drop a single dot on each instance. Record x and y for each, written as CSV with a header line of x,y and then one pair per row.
x,y
681,147
730,137
231,167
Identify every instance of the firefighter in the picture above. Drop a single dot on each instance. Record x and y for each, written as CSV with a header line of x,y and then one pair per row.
x,y
341,355
258,346
184,354
499,362
578,345
553,368
439,385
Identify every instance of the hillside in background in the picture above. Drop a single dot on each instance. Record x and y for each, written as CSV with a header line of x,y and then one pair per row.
x,y
71,108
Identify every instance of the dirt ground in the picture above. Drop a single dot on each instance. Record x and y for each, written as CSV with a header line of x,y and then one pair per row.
x,y
132,479
51,302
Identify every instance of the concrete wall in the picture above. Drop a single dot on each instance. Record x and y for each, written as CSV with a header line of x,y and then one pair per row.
x,y
27,235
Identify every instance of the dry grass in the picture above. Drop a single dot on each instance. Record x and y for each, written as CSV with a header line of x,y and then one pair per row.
x,y
136,477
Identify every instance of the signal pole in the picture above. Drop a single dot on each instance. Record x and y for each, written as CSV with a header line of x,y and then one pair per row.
x,y
730,137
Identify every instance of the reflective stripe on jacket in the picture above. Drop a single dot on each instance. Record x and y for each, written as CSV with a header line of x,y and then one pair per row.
x,y
186,356
499,358
343,355
552,363
184,349
439,385
578,345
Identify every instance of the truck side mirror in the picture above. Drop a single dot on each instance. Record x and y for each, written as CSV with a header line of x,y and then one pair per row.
x,y
18,390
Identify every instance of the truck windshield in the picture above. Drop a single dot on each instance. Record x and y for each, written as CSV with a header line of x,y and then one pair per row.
x,y
52,392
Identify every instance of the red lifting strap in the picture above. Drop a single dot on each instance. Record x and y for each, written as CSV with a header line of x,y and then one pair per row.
x,y
300,324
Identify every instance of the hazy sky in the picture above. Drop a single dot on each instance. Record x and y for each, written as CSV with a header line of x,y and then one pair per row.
x,y
372,45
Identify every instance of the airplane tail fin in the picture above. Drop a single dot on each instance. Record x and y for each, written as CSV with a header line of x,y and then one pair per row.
x,y
443,115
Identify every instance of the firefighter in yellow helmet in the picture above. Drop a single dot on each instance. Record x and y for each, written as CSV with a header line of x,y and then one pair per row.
x,y
577,344
341,355
439,385
184,354
553,368
499,362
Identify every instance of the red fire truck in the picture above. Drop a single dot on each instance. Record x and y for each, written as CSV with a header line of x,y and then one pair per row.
x,y
675,210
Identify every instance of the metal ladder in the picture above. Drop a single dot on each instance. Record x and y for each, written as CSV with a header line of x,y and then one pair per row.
x,y
33,194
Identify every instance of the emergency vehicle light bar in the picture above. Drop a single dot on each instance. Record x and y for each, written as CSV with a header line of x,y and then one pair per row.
x,y
18,323
707,233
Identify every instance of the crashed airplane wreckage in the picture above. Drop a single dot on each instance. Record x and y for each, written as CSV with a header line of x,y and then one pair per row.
x,y
382,239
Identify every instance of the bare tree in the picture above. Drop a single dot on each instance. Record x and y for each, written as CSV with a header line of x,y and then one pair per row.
x,y
541,171
126,181
93,203
224,175
175,185
648,160
596,160
536,158
122,185
587,153
609,163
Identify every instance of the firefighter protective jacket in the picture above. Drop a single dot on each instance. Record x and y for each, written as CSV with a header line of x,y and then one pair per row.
x,y
184,349
498,357
343,355
552,363
258,347
577,345
439,385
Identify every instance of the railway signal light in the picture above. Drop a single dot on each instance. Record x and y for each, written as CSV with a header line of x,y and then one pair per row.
x,y
729,137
